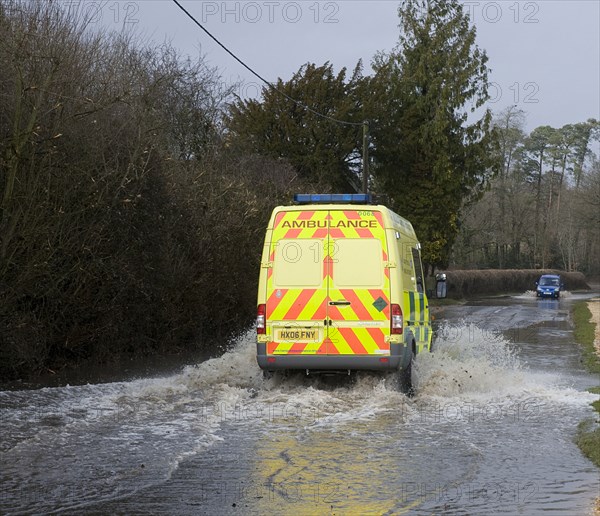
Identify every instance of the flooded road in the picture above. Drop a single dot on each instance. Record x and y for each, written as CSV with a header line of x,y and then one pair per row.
x,y
490,431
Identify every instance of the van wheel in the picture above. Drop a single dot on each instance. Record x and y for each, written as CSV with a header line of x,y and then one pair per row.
x,y
406,385
267,375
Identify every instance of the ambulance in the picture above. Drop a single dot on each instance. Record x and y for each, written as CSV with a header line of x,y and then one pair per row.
x,y
341,289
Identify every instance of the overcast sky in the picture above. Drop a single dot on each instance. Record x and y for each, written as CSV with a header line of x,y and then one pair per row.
x,y
544,55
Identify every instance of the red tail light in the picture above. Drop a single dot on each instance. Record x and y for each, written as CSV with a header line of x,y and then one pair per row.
x,y
397,322
261,322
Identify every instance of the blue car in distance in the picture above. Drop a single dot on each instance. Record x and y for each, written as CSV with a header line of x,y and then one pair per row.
x,y
549,285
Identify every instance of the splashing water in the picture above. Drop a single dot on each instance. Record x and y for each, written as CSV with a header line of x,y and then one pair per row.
x,y
473,364
468,360
469,363
531,294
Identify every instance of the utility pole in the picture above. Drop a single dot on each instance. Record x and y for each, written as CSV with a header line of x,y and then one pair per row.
x,y
365,158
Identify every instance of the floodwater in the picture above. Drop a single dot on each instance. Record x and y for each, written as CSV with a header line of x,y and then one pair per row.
x,y
490,431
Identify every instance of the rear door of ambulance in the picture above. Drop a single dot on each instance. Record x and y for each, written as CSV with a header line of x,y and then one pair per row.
x,y
359,284
296,308
328,288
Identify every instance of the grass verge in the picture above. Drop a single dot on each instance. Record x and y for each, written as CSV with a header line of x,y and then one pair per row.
x,y
588,440
588,432
584,333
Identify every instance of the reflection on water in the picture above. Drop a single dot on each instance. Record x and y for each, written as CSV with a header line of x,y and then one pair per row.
x,y
486,432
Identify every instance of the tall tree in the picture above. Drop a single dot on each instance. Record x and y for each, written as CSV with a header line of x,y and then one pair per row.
x,y
323,151
583,133
564,149
509,126
537,147
428,157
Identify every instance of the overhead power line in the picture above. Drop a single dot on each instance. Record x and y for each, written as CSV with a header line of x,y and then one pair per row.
x,y
269,84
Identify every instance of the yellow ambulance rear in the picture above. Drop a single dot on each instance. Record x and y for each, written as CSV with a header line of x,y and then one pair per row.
x,y
340,288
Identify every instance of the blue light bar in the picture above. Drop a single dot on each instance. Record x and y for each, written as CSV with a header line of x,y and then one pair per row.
x,y
333,198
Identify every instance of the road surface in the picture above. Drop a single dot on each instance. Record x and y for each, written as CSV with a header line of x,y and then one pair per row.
x,y
490,431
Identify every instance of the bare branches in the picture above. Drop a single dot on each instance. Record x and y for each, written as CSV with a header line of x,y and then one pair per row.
x,y
124,225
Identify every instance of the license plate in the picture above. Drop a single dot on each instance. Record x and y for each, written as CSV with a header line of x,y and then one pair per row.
x,y
297,335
